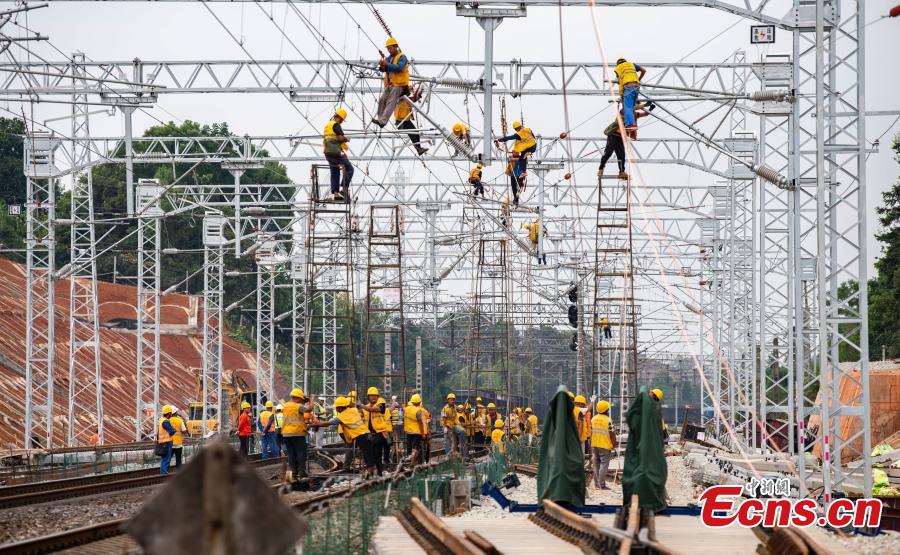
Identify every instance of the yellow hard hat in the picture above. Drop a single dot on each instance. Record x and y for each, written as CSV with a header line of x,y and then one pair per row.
x,y
498,423
245,405
451,396
416,398
167,409
658,393
518,410
517,124
602,406
479,165
269,404
341,113
341,402
298,393
491,406
572,395
580,399
390,42
528,409
457,127
477,399
372,391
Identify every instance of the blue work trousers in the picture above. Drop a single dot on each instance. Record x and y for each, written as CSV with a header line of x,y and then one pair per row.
x,y
269,446
336,164
166,459
629,99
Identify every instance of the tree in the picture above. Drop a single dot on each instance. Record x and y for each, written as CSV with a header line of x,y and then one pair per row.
x,y
884,289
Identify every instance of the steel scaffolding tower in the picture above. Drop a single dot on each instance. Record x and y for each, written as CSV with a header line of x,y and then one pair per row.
x,y
85,386
298,283
328,299
615,374
149,219
40,242
214,242
385,317
491,330
266,270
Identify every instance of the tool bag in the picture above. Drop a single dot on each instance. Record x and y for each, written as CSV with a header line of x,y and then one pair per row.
x,y
160,450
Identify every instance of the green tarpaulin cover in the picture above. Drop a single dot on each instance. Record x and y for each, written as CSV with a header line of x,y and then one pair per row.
x,y
645,470
561,467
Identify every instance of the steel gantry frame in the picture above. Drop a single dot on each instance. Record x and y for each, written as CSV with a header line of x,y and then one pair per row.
x,y
85,403
215,413
818,209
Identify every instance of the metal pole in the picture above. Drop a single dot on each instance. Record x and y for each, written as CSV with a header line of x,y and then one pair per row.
x,y
488,24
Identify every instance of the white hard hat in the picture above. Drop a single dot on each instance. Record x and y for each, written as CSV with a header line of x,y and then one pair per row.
x,y
174,409
278,406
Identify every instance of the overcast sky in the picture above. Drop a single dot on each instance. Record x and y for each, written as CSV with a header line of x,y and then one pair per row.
x,y
180,31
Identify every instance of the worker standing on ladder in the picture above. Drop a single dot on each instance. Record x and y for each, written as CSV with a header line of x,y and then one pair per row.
x,y
335,147
403,118
533,230
607,329
396,81
615,143
524,145
630,76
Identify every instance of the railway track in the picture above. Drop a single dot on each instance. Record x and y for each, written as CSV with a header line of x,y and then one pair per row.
x,y
108,537
56,490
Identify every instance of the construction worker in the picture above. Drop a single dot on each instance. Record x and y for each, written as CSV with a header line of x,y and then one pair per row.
x,y
319,413
448,421
396,81
497,437
492,416
462,423
178,437
164,433
461,131
531,426
279,426
533,228
378,422
396,422
630,76
657,395
266,425
414,427
607,329
580,412
294,433
354,431
245,428
603,442
616,144
524,146
514,421
475,180
403,118
426,439
334,146
481,424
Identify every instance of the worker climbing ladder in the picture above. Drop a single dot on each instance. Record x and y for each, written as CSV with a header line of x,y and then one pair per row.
x,y
491,330
615,314
328,298
385,340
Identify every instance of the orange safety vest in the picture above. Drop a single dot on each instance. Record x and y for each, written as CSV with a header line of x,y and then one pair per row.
x,y
402,111
161,432
294,422
397,79
381,422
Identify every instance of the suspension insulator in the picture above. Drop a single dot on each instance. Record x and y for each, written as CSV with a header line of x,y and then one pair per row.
x,y
455,83
772,176
774,96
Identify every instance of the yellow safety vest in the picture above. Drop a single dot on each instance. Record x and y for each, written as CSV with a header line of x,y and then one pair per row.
x,y
532,427
410,421
395,416
600,432
586,429
532,232
330,135
352,423
497,439
448,416
402,111
176,423
475,174
380,421
161,432
426,418
514,424
524,140
294,423
400,79
279,420
604,321
627,73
